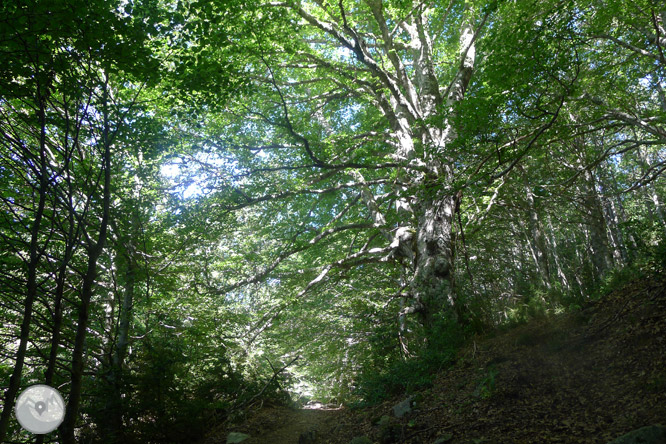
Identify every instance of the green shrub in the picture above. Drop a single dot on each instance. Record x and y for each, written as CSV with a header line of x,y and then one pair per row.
x,y
486,386
534,305
616,279
409,375
656,258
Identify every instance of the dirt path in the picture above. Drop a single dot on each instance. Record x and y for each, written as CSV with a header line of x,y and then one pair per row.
x,y
288,426
283,425
585,377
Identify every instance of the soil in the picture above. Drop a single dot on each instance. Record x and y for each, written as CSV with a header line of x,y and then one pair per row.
x,y
279,424
583,377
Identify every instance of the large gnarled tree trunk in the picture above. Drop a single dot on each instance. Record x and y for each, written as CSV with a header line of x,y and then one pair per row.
x,y
410,99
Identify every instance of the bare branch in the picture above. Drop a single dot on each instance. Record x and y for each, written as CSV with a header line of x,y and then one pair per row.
x,y
628,118
358,47
629,46
649,176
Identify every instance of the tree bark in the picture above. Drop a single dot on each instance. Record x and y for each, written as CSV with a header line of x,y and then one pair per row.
x,y
655,206
433,284
35,256
598,230
433,276
67,428
537,238
71,239
614,232
113,431
618,208
409,97
556,256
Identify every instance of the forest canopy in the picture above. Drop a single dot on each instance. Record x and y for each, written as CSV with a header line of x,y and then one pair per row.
x,y
204,204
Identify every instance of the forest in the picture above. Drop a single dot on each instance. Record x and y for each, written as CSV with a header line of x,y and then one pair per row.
x,y
207,207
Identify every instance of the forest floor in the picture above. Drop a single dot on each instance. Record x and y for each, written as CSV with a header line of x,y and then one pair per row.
x,y
583,377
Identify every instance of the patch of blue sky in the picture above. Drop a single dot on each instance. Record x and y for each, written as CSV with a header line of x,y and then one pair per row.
x,y
349,115
198,175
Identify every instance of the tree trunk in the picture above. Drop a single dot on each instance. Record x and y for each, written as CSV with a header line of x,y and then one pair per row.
x,y
529,242
56,329
410,96
583,259
113,426
31,291
433,276
658,207
67,428
654,205
433,285
556,256
618,208
71,239
615,235
598,230
537,238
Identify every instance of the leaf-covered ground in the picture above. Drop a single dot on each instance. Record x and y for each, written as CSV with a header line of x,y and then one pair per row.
x,y
583,377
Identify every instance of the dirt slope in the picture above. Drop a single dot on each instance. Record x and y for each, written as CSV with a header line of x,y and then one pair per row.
x,y
283,425
585,377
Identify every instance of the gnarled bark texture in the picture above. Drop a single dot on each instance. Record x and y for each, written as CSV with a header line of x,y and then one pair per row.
x,y
410,92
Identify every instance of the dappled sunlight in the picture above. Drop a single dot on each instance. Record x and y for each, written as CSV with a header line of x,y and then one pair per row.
x,y
221,221
321,406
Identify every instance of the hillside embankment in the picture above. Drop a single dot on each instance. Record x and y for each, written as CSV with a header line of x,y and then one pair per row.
x,y
587,376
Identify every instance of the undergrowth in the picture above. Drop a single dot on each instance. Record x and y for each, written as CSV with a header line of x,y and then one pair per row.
x,y
408,375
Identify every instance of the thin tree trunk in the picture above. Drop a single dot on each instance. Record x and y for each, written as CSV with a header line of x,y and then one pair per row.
x,y
57,324
31,293
56,330
617,242
618,208
556,256
600,254
114,375
583,259
659,209
94,251
529,242
537,238
654,205
71,240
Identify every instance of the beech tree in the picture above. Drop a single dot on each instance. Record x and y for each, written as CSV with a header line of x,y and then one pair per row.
x,y
194,195
358,113
360,140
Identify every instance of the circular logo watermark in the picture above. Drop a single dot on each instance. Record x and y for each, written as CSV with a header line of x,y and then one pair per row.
x,y
40,409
